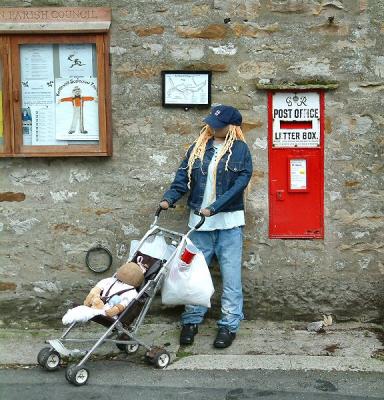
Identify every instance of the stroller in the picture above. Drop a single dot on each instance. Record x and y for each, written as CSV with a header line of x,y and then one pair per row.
x,y
121,330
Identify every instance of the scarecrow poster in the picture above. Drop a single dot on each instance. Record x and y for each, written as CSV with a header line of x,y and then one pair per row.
x,y
77,116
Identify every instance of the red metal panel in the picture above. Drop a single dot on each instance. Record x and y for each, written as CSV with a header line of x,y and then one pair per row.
x,y
295,124
296,212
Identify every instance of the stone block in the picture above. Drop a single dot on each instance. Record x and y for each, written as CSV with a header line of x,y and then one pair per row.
x,y
247,126
154,48
256,69
149,30
336,29
378,66
367,87
328,125
314,7
67,228
187,52
12,196
119,51
77,175
224,50
23,176
257,176
177,126
7,286
22,226
206,67
246,9
260,143
363,4
200,10
213,32
293,6
330,5
254,30
312,67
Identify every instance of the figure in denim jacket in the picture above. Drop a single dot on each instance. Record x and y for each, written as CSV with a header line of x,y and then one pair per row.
x,y
216,171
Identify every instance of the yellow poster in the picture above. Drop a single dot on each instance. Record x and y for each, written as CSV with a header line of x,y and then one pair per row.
x,y
1,114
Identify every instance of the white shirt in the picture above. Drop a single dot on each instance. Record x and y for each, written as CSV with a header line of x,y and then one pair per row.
x,y
126,297
221,220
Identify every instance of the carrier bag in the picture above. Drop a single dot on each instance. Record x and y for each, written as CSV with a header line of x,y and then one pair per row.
x,y
154,246
187,284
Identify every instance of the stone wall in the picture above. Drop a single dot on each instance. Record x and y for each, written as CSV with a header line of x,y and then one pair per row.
x,y
58,208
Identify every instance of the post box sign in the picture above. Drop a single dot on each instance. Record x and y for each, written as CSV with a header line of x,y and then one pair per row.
x,y
296,119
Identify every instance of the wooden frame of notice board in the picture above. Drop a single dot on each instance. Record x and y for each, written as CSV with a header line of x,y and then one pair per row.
x,y
55,82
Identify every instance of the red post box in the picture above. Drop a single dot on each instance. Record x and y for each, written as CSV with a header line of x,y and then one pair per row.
x,y
296,164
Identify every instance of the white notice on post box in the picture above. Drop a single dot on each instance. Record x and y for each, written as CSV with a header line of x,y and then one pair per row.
x,y
298,174
296,119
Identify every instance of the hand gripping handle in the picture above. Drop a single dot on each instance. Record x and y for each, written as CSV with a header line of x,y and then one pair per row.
x,y
202,220
160,209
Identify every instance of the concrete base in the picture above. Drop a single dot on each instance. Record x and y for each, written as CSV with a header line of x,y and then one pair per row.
x,y
280,362
258,345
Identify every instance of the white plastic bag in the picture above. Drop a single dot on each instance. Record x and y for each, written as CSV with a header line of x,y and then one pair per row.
x,y
155,246
190,284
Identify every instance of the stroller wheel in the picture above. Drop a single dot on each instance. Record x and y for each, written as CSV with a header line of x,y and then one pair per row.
x,y
161,359
49,359
121,346
128,348
131,348
42,353
76,375
148,358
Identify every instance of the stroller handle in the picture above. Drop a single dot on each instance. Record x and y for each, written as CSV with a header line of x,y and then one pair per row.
x,y
160,209
202,220
157,213
197,212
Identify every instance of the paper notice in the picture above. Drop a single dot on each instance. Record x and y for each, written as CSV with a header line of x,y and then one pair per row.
x,y
298,174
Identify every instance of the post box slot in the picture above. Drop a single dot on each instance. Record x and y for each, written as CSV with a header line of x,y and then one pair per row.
x,y
295,124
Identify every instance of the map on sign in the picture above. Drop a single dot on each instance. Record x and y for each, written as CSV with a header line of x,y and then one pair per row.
x,y
191,89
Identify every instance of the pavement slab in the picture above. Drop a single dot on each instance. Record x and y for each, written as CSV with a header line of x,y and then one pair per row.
x,y
278,362
259,345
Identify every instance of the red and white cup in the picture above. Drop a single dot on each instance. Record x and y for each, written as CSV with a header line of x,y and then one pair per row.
x,y
189,252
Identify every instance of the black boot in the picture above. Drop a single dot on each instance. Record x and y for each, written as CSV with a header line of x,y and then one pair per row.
x,y
224,338
187,334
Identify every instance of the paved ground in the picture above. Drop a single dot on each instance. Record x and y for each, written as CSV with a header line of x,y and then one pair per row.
x,y
114,379
259,345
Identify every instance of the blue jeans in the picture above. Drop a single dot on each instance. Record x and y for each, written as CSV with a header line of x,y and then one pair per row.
x,y
227,244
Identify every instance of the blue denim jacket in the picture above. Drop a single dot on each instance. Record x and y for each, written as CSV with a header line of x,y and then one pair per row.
x,y
230,183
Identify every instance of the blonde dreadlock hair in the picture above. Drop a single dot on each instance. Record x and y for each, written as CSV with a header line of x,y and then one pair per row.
x,y
234,133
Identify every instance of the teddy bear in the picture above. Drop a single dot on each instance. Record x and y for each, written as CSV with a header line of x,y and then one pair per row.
x,y
93,299
115,293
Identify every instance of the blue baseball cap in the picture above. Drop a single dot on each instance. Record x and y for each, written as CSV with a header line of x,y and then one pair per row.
x,y
222,116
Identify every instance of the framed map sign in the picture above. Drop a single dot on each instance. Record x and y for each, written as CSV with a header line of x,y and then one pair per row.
x,y
186,88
